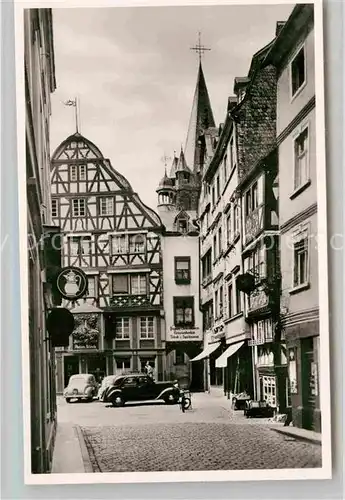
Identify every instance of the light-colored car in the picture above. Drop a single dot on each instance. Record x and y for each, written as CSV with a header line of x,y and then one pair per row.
x,y
82,386
106,382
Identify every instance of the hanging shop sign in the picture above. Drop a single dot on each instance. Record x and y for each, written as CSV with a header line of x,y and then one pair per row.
x,y
184,334
72,283
60,325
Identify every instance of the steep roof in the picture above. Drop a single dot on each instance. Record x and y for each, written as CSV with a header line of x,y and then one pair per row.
x,y
173,167
201,118
182,165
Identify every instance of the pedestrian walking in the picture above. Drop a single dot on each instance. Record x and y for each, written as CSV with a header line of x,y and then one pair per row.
x,y
149,369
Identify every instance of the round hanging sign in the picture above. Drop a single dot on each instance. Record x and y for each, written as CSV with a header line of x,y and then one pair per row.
x,y
72,283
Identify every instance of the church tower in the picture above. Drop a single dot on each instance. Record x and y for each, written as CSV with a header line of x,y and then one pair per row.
x,y
201,119
178,195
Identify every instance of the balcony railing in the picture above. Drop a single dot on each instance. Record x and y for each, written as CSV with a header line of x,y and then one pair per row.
x,y
126,301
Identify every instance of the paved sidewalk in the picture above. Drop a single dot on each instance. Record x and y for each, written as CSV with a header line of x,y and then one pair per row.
x,y
67,456
237,416
297,433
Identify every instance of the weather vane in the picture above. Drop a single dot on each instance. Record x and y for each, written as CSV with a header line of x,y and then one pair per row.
x,y
199,48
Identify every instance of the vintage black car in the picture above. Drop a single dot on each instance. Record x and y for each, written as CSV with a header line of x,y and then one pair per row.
x,y
140,388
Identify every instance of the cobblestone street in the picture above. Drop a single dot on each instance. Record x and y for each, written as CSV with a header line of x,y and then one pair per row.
x,y
154,437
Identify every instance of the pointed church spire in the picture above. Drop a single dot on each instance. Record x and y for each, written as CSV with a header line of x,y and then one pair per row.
x,y
201,117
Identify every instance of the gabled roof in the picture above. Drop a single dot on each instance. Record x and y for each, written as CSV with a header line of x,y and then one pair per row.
x,y
77,149
80,148
201,118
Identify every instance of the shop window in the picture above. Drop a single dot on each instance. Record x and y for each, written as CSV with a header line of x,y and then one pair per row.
x,y
123,365
184,311
269,390
122,329
301,173
182,270
298,71
147,327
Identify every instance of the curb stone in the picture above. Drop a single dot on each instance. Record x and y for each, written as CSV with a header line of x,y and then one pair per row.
x,y
289,433
83,449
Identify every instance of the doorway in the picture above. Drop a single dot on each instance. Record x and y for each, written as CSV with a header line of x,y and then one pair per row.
x,y
309,384
96,365
71,367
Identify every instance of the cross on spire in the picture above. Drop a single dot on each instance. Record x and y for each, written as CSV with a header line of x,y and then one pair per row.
x,y
199,48
164,159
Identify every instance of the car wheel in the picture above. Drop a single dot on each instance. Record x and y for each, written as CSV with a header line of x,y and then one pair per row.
x,y
68,400
117,400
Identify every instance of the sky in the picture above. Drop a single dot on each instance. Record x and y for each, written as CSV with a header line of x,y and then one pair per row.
x,y
135,75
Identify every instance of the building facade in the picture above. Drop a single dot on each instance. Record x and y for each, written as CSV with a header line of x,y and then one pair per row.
x,y
293,56
39,84
221,262
177,208
258,189
116,240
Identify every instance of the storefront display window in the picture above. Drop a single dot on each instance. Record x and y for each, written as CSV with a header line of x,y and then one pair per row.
x,y
269,390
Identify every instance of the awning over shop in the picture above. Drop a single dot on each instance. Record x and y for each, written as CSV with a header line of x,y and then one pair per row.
x,y
207,351
222,361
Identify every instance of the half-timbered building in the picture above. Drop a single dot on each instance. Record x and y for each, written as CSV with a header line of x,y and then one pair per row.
x,y
115,239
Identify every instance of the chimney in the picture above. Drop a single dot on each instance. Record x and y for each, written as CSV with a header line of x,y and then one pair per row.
x,y
280,25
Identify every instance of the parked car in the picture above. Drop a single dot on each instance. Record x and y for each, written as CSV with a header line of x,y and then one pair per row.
x,y
106,382
258,409
82,386
140,388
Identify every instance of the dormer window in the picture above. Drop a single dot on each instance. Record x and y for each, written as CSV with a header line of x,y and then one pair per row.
x,y
182,225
